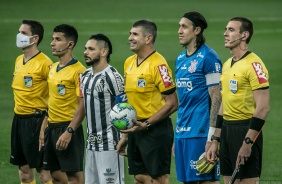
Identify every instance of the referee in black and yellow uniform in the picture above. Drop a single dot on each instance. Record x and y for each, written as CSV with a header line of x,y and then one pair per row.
x,y
30,96
245,105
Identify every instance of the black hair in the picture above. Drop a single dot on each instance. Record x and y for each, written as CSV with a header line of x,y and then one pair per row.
x,y
198,20
148,26
69,31
101,37
36,28
247,25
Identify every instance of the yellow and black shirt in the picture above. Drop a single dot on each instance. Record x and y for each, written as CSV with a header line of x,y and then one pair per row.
x,y
64,88
30,84
145,83
238,81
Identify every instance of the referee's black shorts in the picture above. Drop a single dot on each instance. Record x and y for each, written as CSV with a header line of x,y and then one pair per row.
x,y
25,140
69,160
149,151
232,136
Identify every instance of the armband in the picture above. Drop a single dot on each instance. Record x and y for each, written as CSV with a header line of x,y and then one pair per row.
x,y
256,123
219,121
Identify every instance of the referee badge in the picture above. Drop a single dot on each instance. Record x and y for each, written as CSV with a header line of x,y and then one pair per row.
x,y
233,85
141,82
61,89
28,81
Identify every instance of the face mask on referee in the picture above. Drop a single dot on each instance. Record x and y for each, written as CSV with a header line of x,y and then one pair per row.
x,y
23,40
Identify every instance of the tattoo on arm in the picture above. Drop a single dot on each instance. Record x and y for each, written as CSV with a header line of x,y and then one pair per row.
x,y
215,96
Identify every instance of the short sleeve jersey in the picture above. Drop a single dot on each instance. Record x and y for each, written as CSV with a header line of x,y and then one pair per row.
x,y
64,88
101,92
30,84
145,84
194,74
238,83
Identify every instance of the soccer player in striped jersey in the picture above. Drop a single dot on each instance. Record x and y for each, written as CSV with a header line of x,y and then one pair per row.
x,y
64,139
102,88
197,71
30,96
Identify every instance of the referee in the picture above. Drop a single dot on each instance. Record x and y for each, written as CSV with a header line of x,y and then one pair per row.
x,y
30,96
245,105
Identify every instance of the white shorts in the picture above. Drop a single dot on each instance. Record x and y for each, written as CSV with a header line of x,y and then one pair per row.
x,y
104,167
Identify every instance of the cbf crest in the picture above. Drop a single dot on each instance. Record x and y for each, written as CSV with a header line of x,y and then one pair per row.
x,y
233,85
192,68
27,81
141,83
61,89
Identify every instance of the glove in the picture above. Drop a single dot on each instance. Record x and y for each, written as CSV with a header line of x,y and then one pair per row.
x,y
203,166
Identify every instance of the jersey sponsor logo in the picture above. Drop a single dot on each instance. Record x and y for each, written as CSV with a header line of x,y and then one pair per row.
x,y
192,68
165,75
141,82
182,129
184,83
119,82
28,81
233,85
61,89
200,55
94,139
260,73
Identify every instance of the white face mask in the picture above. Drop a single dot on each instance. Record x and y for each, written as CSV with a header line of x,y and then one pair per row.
x,y
23,40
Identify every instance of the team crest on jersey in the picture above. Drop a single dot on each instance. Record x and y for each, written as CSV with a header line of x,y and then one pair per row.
x,y
61,89
99,85
165,75
141,82
28,81
260,73
192,68
233,85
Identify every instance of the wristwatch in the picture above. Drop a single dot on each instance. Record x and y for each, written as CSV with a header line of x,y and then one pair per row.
x,y
248,140
70,130
213,137
147,124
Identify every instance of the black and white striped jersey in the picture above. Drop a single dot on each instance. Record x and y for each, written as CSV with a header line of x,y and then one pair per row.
x,y
101,92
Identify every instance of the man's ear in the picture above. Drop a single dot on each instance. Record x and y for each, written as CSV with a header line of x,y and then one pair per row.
x,y
149,39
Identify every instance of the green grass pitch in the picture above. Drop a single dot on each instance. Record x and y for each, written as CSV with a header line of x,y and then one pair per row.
x,y
114,18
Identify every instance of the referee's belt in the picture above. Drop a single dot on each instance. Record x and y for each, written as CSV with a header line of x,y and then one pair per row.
x,y
37,113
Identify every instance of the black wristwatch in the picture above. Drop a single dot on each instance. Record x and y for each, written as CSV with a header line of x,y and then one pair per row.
x,y
70,130
248,140
213,137
147,124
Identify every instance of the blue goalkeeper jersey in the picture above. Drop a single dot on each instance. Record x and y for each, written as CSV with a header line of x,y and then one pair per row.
x,y
194,74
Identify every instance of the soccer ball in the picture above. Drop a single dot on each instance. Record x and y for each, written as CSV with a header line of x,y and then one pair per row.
x,y
121,116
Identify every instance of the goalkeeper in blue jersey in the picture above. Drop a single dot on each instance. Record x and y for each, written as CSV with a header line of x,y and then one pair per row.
x,y
197,70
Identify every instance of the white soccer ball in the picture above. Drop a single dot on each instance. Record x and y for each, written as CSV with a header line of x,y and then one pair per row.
x,y
121,116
